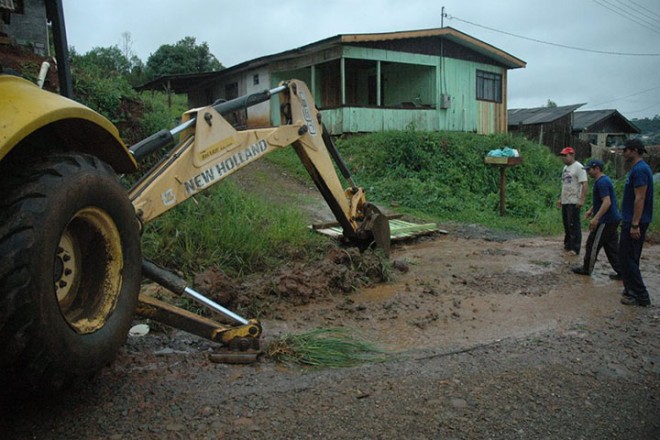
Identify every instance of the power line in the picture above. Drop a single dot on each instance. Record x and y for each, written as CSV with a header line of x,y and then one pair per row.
x,y
645,8
451,17
657,104
635,7
623,13
627,96
632,11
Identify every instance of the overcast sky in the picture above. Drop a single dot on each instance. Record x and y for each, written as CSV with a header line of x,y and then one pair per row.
x,y
240,30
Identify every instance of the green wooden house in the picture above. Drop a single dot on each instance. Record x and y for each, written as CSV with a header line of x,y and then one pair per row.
x,y
434,79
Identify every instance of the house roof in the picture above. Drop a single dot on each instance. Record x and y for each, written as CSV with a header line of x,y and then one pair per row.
x,y
539,115
449,33
183,83
180,83
584,120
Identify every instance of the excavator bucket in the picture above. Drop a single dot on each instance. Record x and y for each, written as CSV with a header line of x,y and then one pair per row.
x,y
377,225
382,228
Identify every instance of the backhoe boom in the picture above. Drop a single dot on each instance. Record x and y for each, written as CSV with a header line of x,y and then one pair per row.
x,y
210,149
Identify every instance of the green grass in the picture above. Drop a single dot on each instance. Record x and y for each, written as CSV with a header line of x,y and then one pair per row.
x,y
228,228
333,348
433,176
159,114
441,176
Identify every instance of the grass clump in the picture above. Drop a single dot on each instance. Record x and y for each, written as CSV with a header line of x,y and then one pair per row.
x,y
225,227
335,348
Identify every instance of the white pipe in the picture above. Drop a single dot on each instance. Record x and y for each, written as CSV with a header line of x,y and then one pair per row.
x,y
42,74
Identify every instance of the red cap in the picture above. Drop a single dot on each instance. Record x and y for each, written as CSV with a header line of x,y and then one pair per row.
x,y
567,150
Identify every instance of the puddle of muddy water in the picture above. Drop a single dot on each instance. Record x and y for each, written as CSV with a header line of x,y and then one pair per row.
x,y
460,293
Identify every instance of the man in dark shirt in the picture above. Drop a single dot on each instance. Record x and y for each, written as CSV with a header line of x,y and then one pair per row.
x,y
637,213
604,224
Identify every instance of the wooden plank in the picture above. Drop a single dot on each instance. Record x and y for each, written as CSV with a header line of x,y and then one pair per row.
x,y
399,229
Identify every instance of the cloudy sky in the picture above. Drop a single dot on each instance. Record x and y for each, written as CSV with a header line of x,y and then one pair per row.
x,y
605,53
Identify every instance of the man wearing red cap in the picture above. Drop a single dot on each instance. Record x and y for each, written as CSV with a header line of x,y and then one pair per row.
x,y
573,192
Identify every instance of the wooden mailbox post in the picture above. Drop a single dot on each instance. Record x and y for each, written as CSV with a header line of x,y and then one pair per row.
x,y
502,163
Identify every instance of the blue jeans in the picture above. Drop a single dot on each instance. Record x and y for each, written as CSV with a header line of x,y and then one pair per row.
x,y
630,251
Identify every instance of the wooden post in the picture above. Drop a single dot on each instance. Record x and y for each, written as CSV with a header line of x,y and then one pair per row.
x,y
502,189
503,163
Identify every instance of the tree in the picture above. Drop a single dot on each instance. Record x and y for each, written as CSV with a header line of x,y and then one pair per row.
x,y
109,60
186,56
551,104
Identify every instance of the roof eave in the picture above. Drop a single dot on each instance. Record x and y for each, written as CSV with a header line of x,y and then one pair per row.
x,y
451,34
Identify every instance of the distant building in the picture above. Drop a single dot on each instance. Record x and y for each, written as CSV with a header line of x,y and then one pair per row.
x,y
551,126
434,79
24,23
586,131
603,128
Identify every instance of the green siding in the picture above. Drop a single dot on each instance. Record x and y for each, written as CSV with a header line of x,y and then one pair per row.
x,y
412,93
363,53
360,119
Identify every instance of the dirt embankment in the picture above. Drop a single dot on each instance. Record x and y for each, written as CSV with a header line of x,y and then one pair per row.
x,y
23,62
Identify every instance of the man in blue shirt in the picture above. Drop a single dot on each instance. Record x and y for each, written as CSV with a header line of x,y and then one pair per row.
x,y
604,224
637,213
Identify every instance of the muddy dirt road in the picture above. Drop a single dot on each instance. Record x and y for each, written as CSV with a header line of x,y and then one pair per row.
x,y
489,338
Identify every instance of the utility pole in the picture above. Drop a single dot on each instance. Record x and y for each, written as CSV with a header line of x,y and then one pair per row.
x,y
442,17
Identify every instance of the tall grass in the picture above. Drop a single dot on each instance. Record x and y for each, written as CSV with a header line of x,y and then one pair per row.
x,y
160,115
228,228
441,176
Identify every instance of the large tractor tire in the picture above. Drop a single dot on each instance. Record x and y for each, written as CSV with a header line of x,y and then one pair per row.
x,y
69,272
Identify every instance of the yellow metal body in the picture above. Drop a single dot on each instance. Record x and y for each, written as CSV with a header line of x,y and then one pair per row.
x,y
27,110
213,149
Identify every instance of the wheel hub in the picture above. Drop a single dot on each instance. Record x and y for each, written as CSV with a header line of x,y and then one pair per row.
x,y
87,270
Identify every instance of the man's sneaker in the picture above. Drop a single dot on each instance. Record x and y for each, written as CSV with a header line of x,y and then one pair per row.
x,y
580,271
615,276
627,300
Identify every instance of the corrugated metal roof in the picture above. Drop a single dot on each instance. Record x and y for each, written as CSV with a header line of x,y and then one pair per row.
x,y
585,119
399,229
539,115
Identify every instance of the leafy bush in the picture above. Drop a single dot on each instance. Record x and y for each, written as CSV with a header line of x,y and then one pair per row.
x,y
158,114
443,174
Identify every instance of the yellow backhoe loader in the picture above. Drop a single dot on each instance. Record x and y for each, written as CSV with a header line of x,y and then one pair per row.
x,y
70,257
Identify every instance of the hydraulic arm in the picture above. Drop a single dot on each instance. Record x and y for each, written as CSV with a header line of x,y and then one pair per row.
x,y
210,149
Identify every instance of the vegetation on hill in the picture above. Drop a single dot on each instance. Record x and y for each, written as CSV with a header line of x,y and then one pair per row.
x,y
650,129
441,176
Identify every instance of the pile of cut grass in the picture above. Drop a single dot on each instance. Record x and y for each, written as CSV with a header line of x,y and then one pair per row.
x,y
334,348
